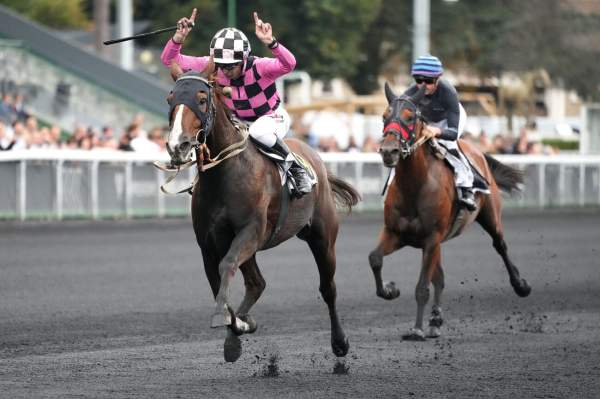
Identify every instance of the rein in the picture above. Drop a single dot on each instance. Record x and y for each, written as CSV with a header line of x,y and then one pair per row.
x,y
202,153
412,148
203,157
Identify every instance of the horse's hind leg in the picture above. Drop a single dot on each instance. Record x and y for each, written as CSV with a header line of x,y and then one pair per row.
x,y
255,285
321,240
244,323
436,321
489,219
388,243
242,248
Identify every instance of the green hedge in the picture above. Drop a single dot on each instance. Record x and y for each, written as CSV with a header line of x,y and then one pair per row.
x,y
565,145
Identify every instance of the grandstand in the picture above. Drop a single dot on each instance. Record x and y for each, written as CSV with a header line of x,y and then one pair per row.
x,y
65,84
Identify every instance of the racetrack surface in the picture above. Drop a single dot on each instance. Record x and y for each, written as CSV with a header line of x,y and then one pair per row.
x,y
122,309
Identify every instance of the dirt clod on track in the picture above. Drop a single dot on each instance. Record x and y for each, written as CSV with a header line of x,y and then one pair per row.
x,y
122,310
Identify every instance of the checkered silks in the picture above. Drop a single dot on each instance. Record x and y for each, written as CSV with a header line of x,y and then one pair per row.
x,y
260,94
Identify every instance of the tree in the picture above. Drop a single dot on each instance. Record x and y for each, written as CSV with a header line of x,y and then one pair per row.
x,y
324,35
385,46
58,14
521,36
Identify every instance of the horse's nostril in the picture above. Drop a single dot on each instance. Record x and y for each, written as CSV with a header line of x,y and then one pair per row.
x,y
395,151
183,147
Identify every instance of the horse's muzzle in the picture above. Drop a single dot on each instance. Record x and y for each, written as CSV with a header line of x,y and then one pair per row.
x,y
180,154
390,157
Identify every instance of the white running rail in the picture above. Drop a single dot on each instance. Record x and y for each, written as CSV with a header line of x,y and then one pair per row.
x,y
58,184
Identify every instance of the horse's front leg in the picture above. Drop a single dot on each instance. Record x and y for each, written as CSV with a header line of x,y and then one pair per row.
x,y
436,320
388,243
431,261
243,246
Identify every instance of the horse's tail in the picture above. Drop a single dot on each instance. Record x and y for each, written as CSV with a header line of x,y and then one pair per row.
x,y
509,179
346,196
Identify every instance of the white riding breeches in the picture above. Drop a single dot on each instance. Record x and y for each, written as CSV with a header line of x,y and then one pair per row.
x,y
463,175
268,128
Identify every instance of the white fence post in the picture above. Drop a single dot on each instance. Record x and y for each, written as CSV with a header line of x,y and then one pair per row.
x,y
59,189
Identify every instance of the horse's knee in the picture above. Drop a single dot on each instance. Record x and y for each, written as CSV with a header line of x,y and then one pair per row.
x,y
227,267
328,292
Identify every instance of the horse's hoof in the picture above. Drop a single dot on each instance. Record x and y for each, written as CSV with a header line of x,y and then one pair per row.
x,y
232,348
389,291
340,347
220,320
414,334
521,288
252,325
434,332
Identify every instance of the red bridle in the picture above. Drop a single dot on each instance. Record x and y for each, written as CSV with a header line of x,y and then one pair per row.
x,y
395,126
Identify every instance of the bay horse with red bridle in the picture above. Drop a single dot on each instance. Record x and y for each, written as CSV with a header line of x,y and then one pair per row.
x,y
422,211
237,201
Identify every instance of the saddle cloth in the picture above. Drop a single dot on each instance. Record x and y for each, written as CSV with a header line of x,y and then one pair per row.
x,y
301,161
480,184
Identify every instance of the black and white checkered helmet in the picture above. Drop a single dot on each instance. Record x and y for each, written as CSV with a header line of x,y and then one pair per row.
x,y
229,45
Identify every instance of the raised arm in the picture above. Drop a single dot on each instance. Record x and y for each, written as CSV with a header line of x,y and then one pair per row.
x,y
284,61
172,50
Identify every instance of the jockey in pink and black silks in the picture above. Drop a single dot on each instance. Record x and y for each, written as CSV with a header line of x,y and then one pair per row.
x,y
254,97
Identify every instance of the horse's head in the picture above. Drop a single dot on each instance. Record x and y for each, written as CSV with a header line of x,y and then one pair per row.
x,y
191,114
402,123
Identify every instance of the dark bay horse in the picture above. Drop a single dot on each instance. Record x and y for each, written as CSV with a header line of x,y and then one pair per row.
x,y
236,205
422,211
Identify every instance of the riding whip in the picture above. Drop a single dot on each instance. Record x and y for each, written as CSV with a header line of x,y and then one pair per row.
x,y
138,36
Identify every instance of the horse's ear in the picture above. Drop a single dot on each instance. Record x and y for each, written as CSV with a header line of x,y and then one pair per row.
x,y
389,94
418,96
176,70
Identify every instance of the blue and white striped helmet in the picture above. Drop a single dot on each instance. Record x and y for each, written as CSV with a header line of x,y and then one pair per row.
x,y
427,65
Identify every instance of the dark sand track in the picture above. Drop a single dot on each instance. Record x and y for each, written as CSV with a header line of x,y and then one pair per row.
x,y
122,309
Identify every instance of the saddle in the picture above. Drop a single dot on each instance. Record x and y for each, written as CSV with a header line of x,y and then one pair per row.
x,y
479,181
285,174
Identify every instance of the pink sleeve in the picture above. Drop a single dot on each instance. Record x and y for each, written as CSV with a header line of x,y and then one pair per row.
x,y
272,68
186,62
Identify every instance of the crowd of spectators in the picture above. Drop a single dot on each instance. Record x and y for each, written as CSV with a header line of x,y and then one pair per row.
x,y
20,130
506,144
527,142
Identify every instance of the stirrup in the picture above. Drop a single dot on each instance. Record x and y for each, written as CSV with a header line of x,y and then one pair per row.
x,y
299,178
467,198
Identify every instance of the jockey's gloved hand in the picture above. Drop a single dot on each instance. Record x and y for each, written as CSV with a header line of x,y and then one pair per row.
x,y
184,26
431,132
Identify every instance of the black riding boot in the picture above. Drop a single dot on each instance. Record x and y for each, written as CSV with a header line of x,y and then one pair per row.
x,y
300,179
467,198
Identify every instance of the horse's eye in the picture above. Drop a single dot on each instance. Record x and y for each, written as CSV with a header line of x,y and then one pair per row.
x,y
202,101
